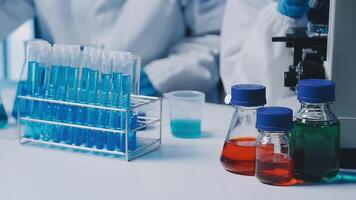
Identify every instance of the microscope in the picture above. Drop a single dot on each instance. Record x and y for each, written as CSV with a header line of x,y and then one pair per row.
x,y
309,46
326,49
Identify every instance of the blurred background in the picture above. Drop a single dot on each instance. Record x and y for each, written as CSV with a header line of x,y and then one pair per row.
x,y
12,51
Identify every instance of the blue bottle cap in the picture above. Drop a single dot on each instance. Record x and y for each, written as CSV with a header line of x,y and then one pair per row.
x,y
316,91
248,95
274,119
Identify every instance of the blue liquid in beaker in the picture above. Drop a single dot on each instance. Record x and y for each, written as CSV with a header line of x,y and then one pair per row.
x,y
186,128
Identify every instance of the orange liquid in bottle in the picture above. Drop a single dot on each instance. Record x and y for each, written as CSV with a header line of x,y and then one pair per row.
x,y
238,155
274,168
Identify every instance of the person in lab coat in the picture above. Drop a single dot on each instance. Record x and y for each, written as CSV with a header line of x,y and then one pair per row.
x,y
178,40
248,54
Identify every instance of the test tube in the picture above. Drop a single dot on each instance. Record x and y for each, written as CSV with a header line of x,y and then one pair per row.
x,y
72,91
79,136
136,72
59,78
55,60
116,98
123,67
33,59
93,86
131,136
39,87
104,97
88,87
37,71
55,65
127,72
129,63
23,88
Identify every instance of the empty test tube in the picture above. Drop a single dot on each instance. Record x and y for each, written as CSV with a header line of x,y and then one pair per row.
x,y
136,72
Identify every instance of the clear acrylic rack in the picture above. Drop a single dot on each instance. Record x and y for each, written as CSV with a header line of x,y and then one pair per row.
x,y
147,131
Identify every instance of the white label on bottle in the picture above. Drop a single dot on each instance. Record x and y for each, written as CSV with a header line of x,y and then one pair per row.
x,y
276,144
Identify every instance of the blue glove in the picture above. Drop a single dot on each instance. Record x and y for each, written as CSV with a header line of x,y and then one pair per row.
x,y
293,8
146,87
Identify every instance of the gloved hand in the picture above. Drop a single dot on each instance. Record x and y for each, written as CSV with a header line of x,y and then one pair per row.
x,y
146,87
293,8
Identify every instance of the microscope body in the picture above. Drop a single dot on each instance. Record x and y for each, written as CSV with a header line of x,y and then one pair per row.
x,y
331,56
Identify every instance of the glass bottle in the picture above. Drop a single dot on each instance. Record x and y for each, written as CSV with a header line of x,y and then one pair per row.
x,y
316,132
274,162
238,154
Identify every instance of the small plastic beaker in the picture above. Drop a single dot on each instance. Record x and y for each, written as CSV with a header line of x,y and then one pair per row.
x,y
186,107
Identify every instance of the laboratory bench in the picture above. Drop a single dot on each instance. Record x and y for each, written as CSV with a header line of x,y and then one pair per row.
x,y
179,169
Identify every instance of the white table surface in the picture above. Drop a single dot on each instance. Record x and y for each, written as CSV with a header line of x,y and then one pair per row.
x,y
181,169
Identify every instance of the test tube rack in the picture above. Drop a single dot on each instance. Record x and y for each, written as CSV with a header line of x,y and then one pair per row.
x,y
148,129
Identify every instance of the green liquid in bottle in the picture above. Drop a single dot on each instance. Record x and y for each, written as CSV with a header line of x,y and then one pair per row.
x,y
316,150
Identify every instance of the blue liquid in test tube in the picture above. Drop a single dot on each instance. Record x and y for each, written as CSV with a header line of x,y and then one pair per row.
x,y
40,107
52,89
133,122
24,87
30,90
114,118
88,95
121,91
92,112
59,84
32,53
71,112
113,139
104,98
79,136
37,85
125,103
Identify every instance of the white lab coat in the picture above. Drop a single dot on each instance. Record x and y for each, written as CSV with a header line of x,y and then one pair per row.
x,y
154,29
248,54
